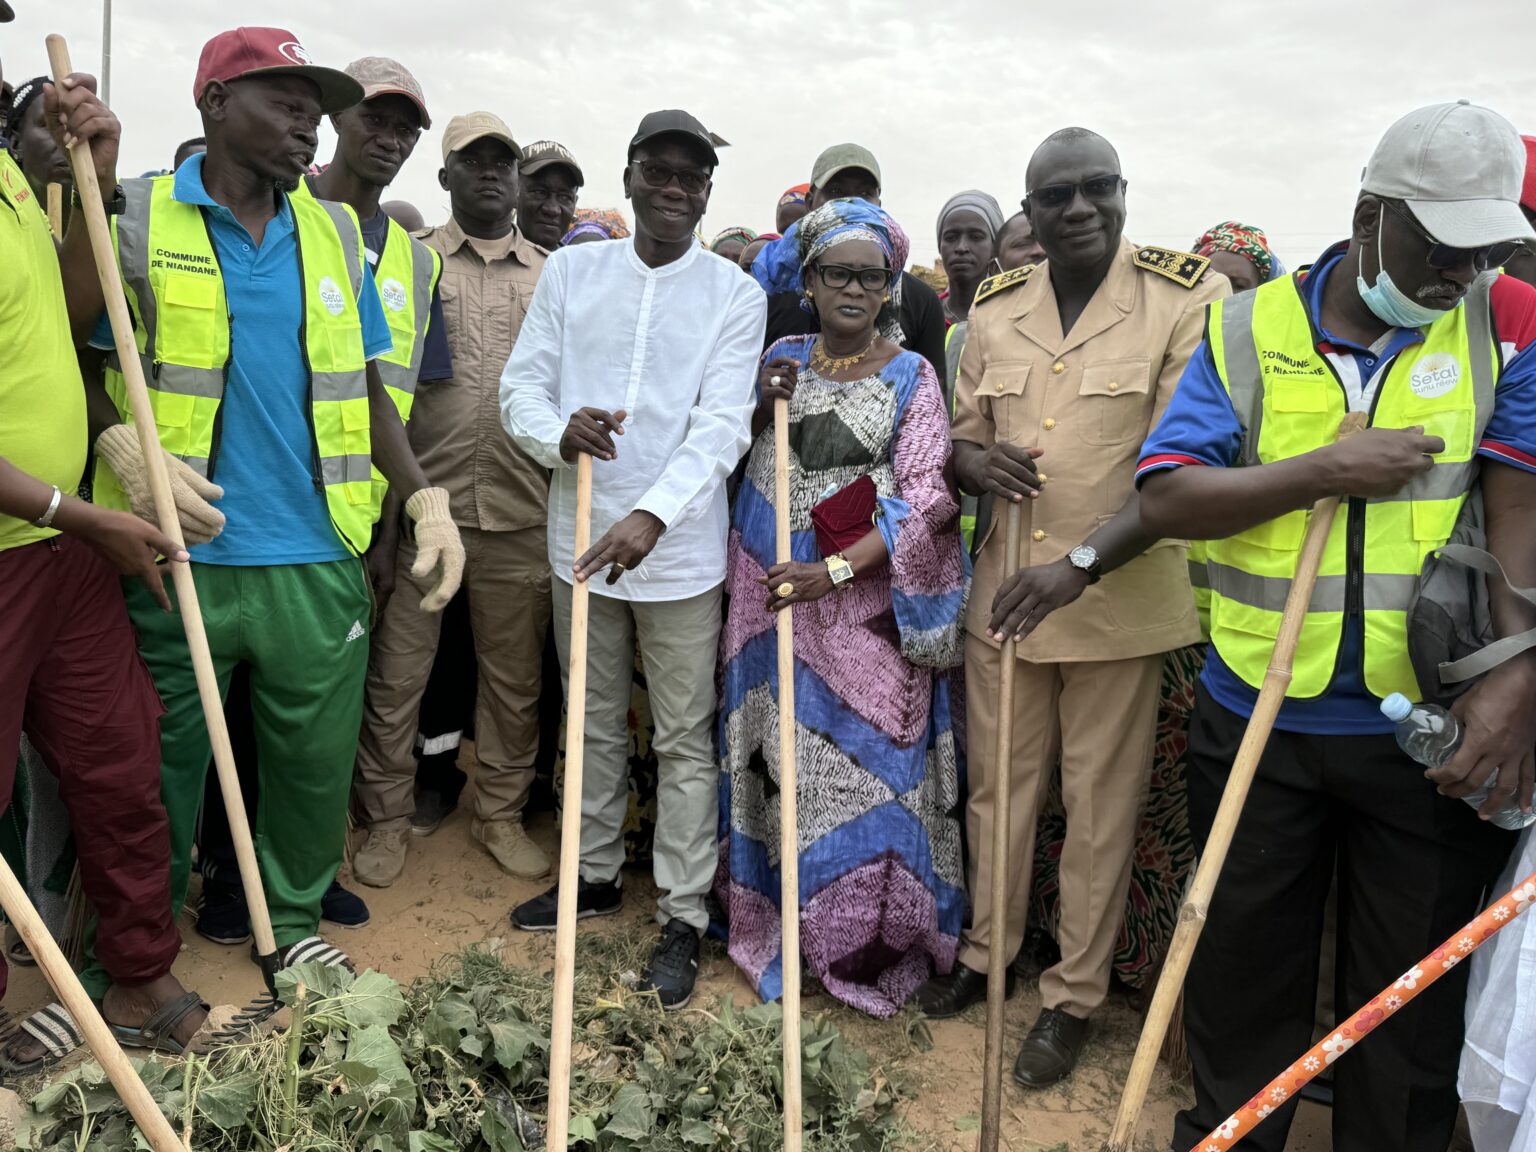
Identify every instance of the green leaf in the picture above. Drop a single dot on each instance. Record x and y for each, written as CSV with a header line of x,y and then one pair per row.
x,y
320,981
511,1040
970,1122
227,1104
432,1142
498,1134
373,1062
373,998
582,1129
630,1114
697,1132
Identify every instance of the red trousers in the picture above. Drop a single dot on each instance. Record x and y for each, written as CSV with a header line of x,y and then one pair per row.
x,y
71,676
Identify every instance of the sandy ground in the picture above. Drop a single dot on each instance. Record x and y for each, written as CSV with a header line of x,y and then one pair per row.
x,y
453,895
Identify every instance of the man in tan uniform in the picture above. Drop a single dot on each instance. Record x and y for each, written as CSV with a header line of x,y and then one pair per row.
x,y
1065,371
499,498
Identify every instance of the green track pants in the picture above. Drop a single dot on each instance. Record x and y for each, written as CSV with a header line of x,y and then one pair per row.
x,y
303,630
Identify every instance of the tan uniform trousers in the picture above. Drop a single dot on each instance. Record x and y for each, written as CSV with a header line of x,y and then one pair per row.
x,y
1101,717
506,577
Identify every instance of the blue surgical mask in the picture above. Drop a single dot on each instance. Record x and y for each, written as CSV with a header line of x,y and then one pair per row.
x,y
1387,302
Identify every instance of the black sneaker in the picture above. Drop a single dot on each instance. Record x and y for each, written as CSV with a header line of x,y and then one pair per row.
x,y
432,808
222,914
674,966
540,913
342,908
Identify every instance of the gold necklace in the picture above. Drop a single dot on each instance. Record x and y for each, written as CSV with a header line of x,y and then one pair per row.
x,y
821,361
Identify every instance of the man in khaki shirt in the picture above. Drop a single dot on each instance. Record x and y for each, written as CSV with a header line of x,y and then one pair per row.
x,y
498,497
1065,371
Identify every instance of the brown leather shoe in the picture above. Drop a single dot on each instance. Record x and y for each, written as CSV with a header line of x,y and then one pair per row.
x,y
1050,1051
946,996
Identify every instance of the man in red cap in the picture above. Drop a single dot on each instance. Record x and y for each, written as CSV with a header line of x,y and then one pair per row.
x,y
264,374
374,140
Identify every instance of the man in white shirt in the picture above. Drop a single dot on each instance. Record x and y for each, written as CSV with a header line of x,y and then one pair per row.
x,y
643,354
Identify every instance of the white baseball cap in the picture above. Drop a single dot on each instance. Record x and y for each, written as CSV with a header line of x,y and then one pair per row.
x,y
1459,167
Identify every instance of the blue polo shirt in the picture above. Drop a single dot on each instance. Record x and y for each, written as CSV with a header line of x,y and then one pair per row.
x,y
1200,427
274,514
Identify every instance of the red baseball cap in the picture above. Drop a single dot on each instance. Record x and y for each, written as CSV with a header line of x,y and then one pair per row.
x,y
246,52
1528,189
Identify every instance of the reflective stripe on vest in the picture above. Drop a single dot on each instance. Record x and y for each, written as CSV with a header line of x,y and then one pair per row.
x,y
405,261
172,275
1289,401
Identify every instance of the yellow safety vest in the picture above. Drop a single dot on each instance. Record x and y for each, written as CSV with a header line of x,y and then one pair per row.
x,y
1289,400
181,326
1200,582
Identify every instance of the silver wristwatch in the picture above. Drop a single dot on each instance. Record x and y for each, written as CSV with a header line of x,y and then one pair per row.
x,y
1085,559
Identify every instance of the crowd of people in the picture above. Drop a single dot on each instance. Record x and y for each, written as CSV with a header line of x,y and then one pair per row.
x,y
371,427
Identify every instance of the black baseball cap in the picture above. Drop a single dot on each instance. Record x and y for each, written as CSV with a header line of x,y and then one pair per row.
x,y
7,14
673,122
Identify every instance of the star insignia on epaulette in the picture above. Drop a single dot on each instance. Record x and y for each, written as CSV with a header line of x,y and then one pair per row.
x,y
992,285
1181,267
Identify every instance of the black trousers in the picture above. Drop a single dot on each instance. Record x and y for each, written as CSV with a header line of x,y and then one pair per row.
x,y
1413,866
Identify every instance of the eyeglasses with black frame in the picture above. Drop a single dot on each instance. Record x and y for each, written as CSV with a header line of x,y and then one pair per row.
x,y
1444,257
839,276
657,175
1097,189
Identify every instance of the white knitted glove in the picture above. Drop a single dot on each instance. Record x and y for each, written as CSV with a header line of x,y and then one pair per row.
x,y
437,546
200,520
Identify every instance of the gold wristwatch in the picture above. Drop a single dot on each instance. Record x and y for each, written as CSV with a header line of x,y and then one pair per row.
x,y
840,570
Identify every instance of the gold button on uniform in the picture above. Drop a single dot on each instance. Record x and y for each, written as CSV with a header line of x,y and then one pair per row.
x,y
1043,477
1113,387
1038,535
999,385
1058,368
1049,423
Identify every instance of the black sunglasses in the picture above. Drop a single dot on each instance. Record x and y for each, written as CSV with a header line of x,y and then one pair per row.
x,y
690,180
1096,188
839,276
1443,257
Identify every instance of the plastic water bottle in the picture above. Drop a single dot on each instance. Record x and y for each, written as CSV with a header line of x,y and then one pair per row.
x,y
1431,736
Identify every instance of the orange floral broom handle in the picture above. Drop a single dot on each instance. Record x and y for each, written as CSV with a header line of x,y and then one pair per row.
x,y
1389,1003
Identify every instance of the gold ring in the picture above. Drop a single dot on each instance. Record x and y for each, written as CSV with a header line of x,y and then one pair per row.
x,y
618,567
785,590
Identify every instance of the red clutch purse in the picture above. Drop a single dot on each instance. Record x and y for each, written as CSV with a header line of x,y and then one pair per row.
x,y
845,517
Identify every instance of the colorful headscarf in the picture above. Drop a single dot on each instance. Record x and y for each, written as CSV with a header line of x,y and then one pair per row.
x,y
1528,188
973,201
585,228
1242,239
839,221
799,194
745,235
610,218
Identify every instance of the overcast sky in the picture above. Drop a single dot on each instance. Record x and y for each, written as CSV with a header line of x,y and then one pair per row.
x,y
1259,110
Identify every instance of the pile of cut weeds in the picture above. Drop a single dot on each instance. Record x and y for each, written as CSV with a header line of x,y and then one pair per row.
x,y
459,1061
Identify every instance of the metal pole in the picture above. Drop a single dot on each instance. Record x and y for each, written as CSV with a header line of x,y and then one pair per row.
x,y
105,78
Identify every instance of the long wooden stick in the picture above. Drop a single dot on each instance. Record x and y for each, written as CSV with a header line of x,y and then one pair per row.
x,y
1002,798
570,829
1196,904
789,816
56,210
165,509
66,986
1382,1007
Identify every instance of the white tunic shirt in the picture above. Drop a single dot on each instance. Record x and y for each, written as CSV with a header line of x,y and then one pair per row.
x,y
676,348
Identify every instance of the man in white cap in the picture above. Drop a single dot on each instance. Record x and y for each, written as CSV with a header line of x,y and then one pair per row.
x,y
1403,321
498,496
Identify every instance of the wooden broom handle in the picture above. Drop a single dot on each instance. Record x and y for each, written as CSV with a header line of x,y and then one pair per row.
x,y
789,826
563,1015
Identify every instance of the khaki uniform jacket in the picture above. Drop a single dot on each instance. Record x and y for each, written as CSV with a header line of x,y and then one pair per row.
x,y
455,425
1089,398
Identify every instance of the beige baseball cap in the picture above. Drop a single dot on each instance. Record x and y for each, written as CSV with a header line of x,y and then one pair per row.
x,y
464,130
381,76
1459,168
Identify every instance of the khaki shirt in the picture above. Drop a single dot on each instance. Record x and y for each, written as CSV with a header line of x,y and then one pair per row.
x,y
455,424
1089,398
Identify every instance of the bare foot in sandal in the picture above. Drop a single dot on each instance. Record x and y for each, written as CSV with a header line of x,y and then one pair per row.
x,y
161,1015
